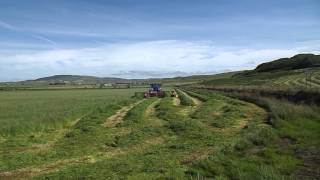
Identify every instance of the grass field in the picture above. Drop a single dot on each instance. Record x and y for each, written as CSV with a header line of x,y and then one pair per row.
x,y
210,136
159,137
28,111
299,80
286,79
111,134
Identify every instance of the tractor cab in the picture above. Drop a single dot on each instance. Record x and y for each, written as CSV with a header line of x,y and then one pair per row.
x,y
154,91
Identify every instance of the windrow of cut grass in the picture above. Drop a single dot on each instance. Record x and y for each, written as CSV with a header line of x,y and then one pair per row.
x,y
153,140
184,99
221,137
291,147
201,97
86,137
295,79
299,80
243,140
311,96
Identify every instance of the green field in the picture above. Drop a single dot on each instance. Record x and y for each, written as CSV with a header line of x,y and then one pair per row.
x,y
201,134
257,124
27,111
285,79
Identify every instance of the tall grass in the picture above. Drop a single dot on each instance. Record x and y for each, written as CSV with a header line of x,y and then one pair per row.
x,y
23,112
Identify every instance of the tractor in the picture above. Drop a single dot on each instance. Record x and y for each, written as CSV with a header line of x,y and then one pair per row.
x,y
154,91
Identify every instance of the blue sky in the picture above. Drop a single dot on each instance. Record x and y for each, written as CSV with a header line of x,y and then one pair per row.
x,y
151,38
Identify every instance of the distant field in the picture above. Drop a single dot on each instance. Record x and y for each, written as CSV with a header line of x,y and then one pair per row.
x,y
299,80
291,78
26,111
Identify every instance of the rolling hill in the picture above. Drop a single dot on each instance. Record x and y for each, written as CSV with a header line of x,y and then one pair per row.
x,y
298,71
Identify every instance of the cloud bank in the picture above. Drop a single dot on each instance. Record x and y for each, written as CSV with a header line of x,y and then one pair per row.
x,y
144,59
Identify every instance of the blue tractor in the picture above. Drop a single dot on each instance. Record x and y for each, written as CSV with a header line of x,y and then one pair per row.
x,y
154,91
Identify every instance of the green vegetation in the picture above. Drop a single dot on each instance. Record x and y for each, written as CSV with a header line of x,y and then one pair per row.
x,y
301,71
155,139
279,79
286,149
299,61
245,125
24,112
177,141
184,98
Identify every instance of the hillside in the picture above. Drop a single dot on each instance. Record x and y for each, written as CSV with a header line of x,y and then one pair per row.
x,y
74,80
299,61
299,71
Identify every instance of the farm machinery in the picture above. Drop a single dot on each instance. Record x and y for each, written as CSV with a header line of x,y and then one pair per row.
x,y
154,91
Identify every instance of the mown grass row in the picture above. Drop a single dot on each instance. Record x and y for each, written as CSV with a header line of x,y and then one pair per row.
x,y
184,99
201,97
233,148
224,138
87,136
185,141
278,79
232,157
298,80
290,146
140,160
306,96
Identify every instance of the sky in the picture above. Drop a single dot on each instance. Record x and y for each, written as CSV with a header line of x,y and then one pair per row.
x,y
151,38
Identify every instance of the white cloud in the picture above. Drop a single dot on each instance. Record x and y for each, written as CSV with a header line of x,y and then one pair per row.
x,y
45,39
7,26
158,56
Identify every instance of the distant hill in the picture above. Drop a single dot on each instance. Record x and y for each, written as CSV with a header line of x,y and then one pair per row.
x,y
76,79
92,80
288,72
299,61
72,80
